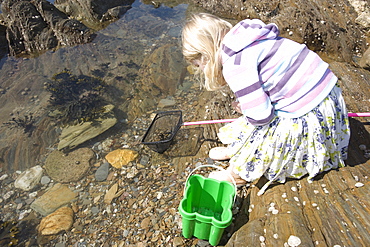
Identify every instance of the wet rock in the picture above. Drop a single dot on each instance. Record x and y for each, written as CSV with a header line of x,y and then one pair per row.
x,y
165,69
95,14
60,220
59,195
166,103
365,60
121,157
38,26
74,135
28,179
69,167
101,173
362,9
328,27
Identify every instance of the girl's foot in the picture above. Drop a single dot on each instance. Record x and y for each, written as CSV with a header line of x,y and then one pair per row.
x,y
219,153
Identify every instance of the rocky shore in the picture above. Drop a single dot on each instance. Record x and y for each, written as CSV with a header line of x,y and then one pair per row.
x,y
115,191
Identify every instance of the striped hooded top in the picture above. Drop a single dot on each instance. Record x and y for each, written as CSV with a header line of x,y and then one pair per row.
x,y
270,75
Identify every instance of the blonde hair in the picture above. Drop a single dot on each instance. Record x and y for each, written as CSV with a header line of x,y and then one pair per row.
x,y
201,40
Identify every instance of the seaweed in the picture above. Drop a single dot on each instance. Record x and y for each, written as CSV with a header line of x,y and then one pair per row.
x,y
8,233
77,98
26,122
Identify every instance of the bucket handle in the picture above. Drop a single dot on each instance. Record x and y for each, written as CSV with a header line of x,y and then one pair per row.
x,y
216,167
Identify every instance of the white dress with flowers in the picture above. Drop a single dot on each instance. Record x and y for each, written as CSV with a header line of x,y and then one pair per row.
x,y
290,147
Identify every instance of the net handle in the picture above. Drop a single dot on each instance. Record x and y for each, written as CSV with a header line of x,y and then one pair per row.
x,y
216,167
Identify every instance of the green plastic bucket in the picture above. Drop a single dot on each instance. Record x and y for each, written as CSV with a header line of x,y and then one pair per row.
x,y
206,208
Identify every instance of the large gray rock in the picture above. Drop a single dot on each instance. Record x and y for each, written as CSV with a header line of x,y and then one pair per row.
x,y
37,26
94,13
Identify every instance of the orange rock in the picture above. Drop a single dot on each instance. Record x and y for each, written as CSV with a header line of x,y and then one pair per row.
x,y
121,157
60,220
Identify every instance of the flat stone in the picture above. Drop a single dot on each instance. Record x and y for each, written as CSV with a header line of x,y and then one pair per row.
x,y
74,135
59,195
166,103
69,167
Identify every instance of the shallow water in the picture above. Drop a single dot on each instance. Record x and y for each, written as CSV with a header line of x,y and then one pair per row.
x,y
116,55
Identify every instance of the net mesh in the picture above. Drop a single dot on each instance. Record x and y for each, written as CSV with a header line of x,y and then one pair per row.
x,y
162,130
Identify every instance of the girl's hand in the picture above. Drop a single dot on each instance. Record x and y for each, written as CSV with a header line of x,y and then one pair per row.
x,y
236,106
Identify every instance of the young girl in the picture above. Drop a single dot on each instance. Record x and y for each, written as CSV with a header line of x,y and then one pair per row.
x,y
294,117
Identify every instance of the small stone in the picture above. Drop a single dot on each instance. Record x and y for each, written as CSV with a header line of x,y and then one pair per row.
x,y
132,173
359,184
111,194
294,241
29,178
145,223
8,195
275,211
177,241
45,180
144,160
362,147
3,177
60,244
102,173
95,210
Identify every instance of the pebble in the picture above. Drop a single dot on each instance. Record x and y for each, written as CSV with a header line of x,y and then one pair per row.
x,y
60,244
8,195
359,184
4,176
362,147
45,180
294,241
28,179
95,210
102,172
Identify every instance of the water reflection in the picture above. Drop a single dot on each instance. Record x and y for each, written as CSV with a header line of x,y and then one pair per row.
x,y
116,55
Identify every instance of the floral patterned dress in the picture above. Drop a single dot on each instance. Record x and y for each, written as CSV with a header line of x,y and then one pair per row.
x,y
290,147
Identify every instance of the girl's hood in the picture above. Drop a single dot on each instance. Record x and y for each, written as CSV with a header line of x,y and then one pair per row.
x,y
247,32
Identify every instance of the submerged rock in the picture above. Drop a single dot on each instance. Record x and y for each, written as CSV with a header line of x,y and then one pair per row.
x,y
74,135
102,173
121,157
37,26
69,167
58,196
29,178
60,220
